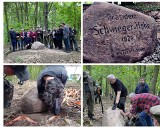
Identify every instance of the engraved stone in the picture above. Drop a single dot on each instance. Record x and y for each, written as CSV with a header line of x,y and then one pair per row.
x,y
114,34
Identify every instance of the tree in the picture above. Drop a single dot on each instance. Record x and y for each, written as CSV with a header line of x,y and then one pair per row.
x,y
155,76
36,13
6,18
46,15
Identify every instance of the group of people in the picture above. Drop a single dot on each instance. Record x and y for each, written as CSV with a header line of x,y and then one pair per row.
x,y
141,100
50,85
24,39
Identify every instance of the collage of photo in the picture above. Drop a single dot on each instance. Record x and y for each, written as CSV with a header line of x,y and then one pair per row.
x,y
81,64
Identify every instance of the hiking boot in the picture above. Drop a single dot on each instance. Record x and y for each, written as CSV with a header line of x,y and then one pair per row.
x,y
20,82
91,116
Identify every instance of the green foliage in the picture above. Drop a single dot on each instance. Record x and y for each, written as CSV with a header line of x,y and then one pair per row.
x,y
18,59
128,74
58,12
33,70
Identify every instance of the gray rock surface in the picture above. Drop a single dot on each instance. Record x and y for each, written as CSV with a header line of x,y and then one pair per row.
x,y
37,46
113,118
30,103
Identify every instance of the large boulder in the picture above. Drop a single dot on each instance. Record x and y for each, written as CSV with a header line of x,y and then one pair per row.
x,y
30,102
155,110
113,118
115,34
37,46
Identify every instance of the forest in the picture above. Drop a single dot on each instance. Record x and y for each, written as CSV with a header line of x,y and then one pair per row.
x,y
48,15
128,74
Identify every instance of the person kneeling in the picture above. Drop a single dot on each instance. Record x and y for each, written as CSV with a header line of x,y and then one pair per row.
x,y
28,42
141,104
50,85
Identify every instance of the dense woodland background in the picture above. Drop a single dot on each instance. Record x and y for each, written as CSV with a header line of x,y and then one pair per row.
x,y
48,15
128,74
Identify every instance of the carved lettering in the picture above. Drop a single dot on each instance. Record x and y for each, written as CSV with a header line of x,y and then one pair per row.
x,y
103,30
120,17
129,51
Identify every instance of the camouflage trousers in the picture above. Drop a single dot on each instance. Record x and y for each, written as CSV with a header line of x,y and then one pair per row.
x,y
88,102
8,93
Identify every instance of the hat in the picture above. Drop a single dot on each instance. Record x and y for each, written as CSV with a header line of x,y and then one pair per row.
x,y
21,72
155,110
131,95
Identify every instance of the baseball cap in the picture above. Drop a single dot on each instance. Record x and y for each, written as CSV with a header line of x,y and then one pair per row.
x,y
21,72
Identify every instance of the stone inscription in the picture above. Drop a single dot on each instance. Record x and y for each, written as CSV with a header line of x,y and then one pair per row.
x,y
103,30
120,53
120,17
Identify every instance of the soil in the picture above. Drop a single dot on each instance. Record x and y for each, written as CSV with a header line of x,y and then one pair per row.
x,y
42,56
69,116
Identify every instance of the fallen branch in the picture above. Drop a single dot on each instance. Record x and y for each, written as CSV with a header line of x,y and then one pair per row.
x,y
72,97
21,118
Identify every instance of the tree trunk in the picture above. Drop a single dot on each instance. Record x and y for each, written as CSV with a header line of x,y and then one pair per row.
x,y
54,15
139,70
144,72
106,88
46,15
7,23
22,15
75,17
17,12
26,13
36,13
154,80
88,67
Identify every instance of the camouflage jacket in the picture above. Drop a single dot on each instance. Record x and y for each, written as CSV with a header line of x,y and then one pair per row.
x,y
91,84
55,71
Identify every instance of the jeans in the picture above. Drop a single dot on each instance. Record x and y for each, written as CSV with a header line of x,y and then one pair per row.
x,y
22,44
14,44
19,43
67,43
145,119
73,40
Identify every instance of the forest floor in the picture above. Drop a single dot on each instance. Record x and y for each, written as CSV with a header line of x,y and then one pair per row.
x,y
70,116
42,56
107,102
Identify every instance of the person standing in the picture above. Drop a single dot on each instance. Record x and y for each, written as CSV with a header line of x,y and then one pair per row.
x,y
120,92
73,39
18,40
13,39
142,87
22,74
88,94
66,37
98,94
59,37
23,35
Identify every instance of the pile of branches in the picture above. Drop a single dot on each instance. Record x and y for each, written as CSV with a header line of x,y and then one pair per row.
x,y
72,97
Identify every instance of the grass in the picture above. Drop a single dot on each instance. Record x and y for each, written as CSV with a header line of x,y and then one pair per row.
x,y
18,59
